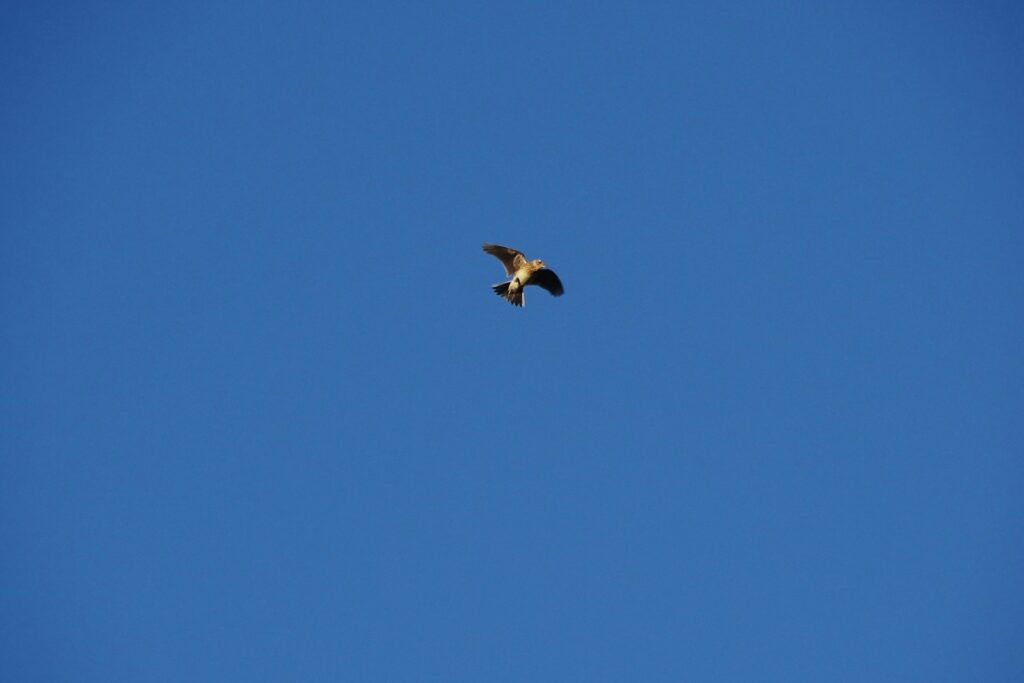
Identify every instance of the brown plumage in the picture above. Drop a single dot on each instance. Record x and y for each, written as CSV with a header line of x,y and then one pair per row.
x,y
522,273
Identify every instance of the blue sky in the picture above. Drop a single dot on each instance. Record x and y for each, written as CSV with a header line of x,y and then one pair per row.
x,y
263,418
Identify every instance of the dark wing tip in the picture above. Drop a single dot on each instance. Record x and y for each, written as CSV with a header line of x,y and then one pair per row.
x,y
546,278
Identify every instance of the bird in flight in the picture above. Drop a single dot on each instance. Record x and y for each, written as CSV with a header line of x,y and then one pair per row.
x,y
523,273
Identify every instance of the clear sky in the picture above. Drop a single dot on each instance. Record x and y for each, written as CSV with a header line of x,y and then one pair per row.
x,y
264,420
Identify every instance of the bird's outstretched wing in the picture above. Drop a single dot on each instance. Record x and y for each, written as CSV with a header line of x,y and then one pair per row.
x,y
547,279
510,258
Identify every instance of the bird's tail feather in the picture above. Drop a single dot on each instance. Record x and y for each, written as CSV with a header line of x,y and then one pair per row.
x,y
515,297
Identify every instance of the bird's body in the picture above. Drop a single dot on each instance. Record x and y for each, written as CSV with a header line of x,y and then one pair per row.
x,y
522,273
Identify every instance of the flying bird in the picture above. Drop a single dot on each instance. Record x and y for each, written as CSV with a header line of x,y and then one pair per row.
x,y
523,273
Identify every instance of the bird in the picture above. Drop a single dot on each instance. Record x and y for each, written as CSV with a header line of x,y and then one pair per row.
x,y
523,273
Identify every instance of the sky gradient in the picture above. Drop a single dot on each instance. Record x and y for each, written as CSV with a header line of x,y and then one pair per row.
x,y
263,419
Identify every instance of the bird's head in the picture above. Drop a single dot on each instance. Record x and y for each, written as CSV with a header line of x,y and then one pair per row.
x,y
538,263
